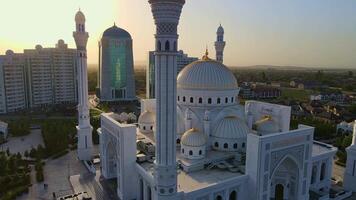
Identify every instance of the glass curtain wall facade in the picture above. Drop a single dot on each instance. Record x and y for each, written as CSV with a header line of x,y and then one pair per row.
x,y
116,74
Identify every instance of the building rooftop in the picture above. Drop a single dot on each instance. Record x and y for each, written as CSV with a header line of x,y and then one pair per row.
x,y
188,182
320,148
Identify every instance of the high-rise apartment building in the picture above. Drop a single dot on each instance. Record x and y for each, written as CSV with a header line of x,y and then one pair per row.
x,y
182,61
38,77
13,80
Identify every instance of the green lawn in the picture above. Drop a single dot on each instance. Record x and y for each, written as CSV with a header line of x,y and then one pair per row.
x,y
295,94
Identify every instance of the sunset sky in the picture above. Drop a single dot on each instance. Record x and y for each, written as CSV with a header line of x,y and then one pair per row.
x,y
318,33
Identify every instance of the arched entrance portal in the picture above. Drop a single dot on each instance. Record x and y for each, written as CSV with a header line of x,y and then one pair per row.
x,y
111,160
285,180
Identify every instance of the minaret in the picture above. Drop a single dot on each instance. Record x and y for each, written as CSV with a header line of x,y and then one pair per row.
x,y
350,170
166,14
84,129
220,44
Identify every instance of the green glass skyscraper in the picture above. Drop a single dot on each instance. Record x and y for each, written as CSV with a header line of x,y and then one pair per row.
x,y
116,74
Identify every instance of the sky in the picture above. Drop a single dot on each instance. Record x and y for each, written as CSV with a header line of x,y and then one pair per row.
x,y
315,33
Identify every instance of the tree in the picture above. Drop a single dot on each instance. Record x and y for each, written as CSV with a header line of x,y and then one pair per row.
x,y
26,154
33,153
346,142
264,77
350,73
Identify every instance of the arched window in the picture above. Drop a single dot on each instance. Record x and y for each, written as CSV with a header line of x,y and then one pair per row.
x,y
216,144
175,46
313,178
178,98
183,99
243,145
190,152
209,101
159,46
182,150
151,128
178,141
226,146
200,152
144,127
191,100
232,99
200,100
233,195
235,146
226,100
219,101
167,46
322,173
219,197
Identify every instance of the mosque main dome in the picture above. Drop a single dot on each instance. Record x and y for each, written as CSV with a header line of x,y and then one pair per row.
x,y
116,32
206,74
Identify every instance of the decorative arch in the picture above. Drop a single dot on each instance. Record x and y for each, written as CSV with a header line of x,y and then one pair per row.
x,y
285,179
281,162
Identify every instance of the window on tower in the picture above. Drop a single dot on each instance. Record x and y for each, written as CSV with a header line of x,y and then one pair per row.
x,y
175,46
167,46
159,46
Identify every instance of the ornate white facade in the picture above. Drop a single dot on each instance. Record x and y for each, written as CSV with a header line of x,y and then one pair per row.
x,y
84,129
225,150
350,171
197,142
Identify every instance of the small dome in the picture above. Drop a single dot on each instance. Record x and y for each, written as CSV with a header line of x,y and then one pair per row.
x,y
206,74
9,52
79,17
193,138
147,117
220,30
38,47
231,128
61,42
116,32
266,125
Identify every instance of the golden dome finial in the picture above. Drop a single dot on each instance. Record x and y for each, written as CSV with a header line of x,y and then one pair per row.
x,y
206,56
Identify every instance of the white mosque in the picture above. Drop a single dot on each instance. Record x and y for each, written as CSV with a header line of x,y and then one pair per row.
x,y
195,141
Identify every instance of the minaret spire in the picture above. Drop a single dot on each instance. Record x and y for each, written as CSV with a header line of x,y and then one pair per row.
x,y
84,129
220,44
166,13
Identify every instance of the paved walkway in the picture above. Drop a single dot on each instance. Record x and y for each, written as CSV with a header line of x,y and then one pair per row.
x,y
56,173
23,143
94,185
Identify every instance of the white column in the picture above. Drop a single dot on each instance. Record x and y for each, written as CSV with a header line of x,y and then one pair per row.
x,y
354,135
145,192
166,14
